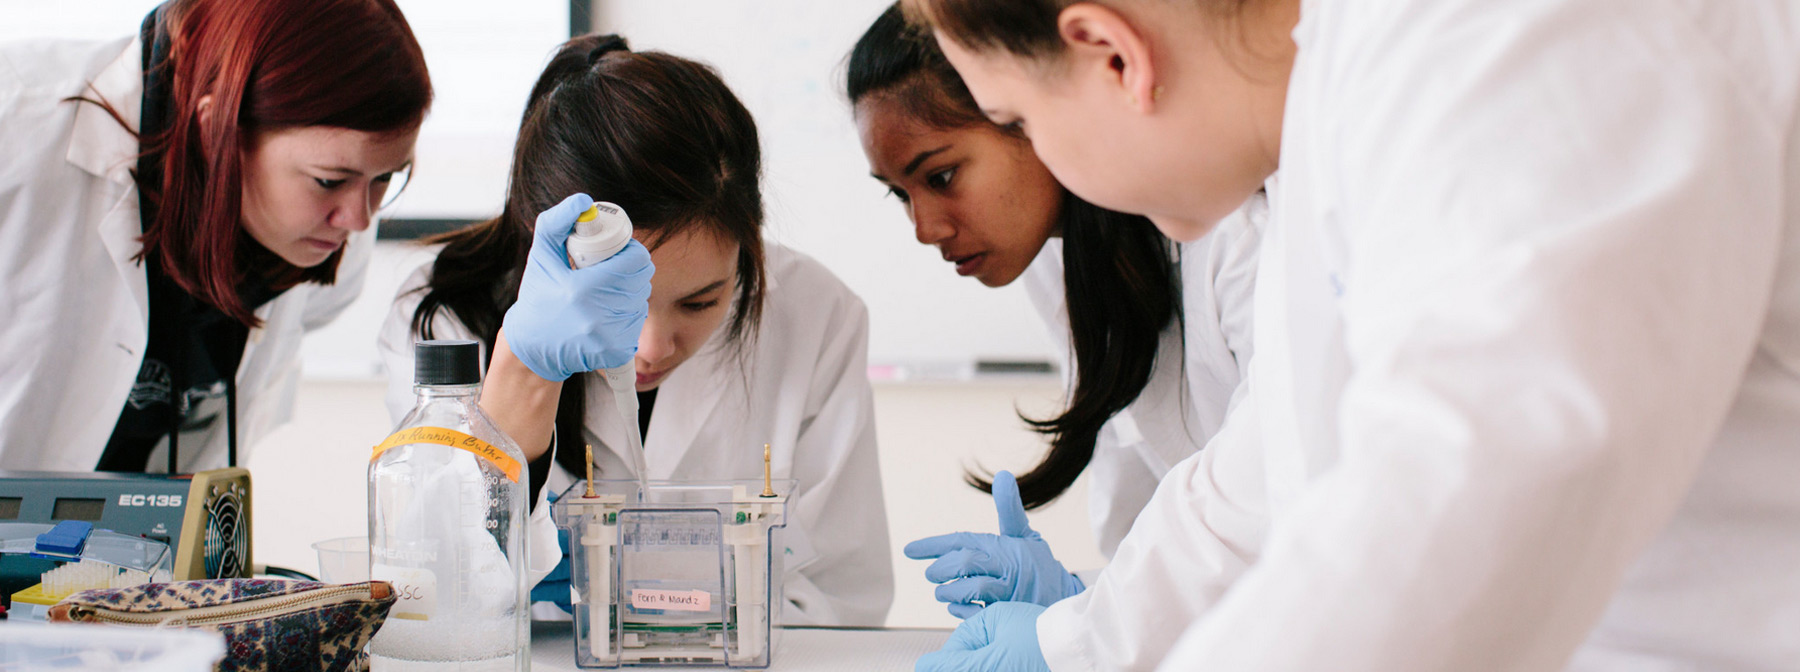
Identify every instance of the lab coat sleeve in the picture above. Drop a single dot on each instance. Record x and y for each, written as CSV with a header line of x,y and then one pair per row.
x,y
1120,484
1560,225
1199,532
1234,286
395,341
850,578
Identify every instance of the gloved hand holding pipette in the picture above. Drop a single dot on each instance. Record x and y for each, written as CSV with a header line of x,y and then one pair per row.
x,y
567,320
980,569
1002,638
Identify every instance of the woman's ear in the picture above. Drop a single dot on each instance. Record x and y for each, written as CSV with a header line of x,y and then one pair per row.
x,y
1103,42
203,117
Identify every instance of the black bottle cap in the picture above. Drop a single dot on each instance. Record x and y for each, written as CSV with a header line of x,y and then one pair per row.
x,y
446,363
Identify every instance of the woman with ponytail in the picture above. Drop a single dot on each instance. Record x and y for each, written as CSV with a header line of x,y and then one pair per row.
x,y
177,209
739,343
1156,335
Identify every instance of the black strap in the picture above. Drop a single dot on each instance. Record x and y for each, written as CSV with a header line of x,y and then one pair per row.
x,y
154,113
153,119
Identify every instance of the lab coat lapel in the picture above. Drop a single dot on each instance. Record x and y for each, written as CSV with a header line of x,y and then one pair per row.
x,y
605,428
685,403
99,145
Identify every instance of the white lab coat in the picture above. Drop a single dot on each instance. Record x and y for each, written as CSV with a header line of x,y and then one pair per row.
x,y
802,387
1196,375
75,302
1527,382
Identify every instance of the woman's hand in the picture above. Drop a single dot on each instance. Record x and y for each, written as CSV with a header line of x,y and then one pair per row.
x,y
981,569
570,321
565,322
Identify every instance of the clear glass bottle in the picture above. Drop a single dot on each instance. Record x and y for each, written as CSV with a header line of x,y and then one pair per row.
x,y
447,524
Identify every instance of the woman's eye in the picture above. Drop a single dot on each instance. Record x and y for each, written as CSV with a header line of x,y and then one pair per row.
x,y
941,179
384,178
329,184
897,193
699,306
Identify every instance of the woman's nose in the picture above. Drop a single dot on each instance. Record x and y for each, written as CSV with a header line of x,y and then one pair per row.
x,y
353,212
931,221
656,343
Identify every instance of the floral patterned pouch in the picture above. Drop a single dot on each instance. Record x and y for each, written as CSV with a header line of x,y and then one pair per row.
x,y
269,624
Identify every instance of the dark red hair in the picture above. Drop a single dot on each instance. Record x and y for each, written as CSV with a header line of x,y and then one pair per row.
x,y
268,65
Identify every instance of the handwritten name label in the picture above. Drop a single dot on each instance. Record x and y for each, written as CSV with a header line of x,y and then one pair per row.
x,y
453,439
671,600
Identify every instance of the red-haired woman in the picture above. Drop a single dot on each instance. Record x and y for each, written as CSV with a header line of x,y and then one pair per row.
x,y
176,209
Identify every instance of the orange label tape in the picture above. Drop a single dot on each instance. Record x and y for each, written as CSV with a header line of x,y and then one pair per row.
x,y
454,439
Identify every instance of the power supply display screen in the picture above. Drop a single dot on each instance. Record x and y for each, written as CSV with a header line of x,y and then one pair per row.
x,y
9,507
71,508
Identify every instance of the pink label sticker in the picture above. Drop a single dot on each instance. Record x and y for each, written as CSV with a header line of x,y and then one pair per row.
x,y
671,600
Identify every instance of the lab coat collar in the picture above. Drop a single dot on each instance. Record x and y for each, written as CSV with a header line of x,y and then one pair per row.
x,y
684,403
700,385
703,382
98,144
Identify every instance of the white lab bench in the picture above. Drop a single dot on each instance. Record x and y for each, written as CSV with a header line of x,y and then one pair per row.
x,y
796,649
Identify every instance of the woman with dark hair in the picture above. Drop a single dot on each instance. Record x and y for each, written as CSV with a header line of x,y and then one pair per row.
x,y
177,209
1160,332
746,342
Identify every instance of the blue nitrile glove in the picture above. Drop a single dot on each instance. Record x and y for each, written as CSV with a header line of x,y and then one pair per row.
x,y
1002,638
554,587
1013,566
570,321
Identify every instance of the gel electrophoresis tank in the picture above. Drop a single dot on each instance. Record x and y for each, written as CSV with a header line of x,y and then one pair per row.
x,y
681,576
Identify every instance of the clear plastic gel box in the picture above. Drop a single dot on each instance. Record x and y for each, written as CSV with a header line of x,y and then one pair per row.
x,y
682,576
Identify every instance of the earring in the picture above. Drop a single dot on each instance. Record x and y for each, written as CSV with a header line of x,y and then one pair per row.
x,y
1131,98
1156,93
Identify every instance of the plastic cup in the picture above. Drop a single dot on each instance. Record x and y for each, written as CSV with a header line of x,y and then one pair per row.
x,y
343,560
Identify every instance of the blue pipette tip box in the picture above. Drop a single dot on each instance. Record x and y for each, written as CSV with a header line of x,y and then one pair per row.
x,y
68,538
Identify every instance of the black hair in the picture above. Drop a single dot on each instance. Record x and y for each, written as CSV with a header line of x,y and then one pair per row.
x,y
1121,275
659,135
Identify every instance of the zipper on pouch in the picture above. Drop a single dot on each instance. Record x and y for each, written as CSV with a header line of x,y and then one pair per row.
x,y
228,613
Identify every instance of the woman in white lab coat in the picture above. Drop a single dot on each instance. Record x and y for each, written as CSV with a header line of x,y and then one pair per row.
x,y
166,239
1161,331
747,343
1528,333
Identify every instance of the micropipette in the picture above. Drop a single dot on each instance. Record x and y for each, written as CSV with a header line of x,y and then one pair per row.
x,y
600,233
